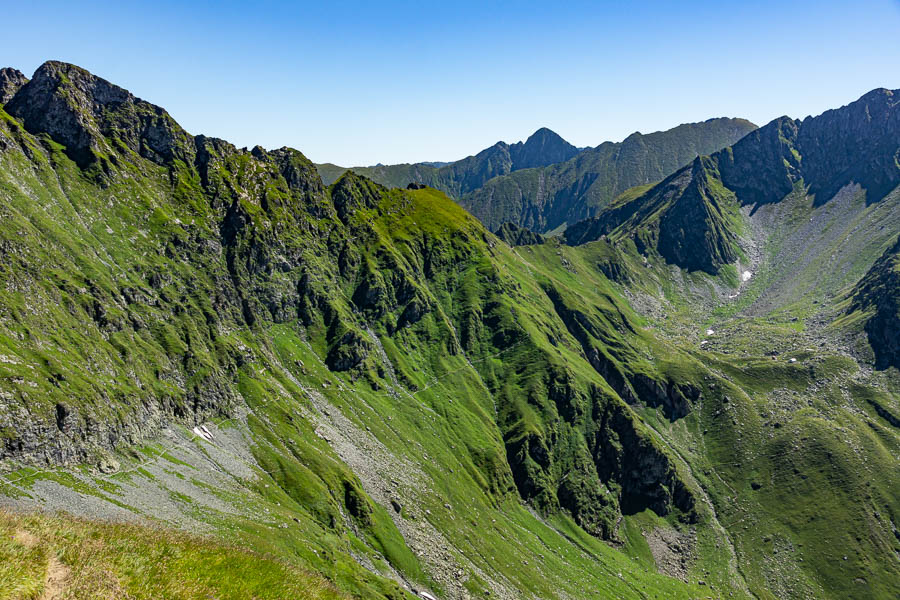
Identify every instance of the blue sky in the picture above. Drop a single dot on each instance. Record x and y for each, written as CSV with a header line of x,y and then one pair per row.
x,y
357,83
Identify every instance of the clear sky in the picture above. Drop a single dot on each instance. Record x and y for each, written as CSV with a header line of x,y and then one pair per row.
x,y
357,83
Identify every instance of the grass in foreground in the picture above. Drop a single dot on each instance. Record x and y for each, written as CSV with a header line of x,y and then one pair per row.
x,y
67,558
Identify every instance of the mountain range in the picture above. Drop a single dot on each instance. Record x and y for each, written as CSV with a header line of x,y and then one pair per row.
x,y
545,183
221,376
692,217
543,147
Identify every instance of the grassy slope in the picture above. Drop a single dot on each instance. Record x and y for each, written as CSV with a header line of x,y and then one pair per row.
x,y
108,560
109,295
79,246
797,459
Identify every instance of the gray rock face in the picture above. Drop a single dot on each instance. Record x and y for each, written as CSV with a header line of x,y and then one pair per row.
x,y
78,110
11,80
688,217
543,147
857,143
878,292
108,465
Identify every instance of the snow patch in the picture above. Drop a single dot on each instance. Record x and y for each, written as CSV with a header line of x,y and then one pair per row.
x,y
203,433
746,275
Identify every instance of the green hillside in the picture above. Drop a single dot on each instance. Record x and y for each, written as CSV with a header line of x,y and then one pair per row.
x,y
73,558
350,390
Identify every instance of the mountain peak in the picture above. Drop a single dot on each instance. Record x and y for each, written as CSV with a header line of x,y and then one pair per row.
x,y
11,81
543,147
687,216
83,112
544,133
880,93
856,143
90,86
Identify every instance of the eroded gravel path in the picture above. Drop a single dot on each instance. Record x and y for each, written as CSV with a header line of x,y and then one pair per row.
x,y
57,573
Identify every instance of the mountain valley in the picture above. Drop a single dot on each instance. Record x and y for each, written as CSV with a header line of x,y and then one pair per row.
x,y
660,368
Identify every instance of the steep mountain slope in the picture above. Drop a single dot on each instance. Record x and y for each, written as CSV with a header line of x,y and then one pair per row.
x,y
10,82
802,240
381,382
857,144
518,236
543,147
545,199
877,297
367,383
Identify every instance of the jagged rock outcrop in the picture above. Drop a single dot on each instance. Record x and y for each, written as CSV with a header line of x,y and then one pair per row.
x,y
646,474
691,218
614,467
11,80
352,193
79,110
514,235
878,296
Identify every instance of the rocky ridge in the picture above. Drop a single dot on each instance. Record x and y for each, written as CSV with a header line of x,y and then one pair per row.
x,y
457,178
549,198
856,144
10,82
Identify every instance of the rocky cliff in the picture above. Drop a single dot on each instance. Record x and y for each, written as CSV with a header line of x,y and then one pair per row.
x,y
877,297
10,82
857,144
547,198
